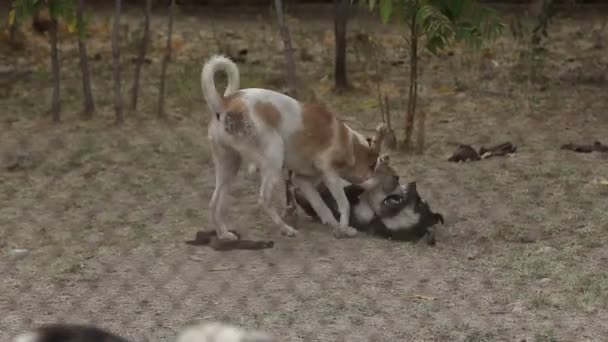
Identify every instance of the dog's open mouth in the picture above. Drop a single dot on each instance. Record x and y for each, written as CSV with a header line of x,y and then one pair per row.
x,y
393,200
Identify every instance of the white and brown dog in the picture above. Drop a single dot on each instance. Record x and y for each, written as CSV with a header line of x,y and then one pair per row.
x,y
274,131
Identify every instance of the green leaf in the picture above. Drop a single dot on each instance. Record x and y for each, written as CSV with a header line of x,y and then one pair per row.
x,y
386,8
24,8
372,4
11,17
55,8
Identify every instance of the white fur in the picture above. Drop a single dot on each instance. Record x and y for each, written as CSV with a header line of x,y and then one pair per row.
x,y
221,332
369,207
364,212
406,218
30,336
266,148
215,64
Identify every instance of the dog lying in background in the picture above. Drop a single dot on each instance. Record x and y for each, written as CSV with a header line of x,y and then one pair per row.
x,y
275,131
465,152
389,210
205,332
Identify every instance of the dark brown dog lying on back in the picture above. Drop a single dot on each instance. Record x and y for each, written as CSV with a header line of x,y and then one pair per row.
x,y
389,210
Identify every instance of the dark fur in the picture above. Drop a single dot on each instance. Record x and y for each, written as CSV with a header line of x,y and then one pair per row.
x,y
75,333
376,227
204,238
596,147
498,150
423,229
466,152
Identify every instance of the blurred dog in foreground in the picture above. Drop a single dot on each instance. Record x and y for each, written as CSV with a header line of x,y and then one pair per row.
x,y
205,332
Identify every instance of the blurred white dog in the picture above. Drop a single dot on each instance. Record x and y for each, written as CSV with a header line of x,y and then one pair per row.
x,y
221,332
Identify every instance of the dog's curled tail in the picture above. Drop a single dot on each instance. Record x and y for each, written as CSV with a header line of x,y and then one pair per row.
x,y
212,97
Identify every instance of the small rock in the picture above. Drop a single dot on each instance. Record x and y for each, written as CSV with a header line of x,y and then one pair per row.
x,y
545,250
19,162
518,308
306,56
19,253
544,280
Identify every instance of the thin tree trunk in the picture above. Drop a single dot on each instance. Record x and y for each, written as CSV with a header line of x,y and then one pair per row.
x,y
56,97
390,139
116,61
291,65
161,96
89,104
340,22
142,56
420,134
12,34
412,96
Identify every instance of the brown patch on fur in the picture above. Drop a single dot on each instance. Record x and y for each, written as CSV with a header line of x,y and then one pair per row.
x,y
268,113
342,158
236,120
365,159
316,133
353,160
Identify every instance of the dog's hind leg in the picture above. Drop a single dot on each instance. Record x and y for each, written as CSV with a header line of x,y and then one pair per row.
x,y
226,163
271,170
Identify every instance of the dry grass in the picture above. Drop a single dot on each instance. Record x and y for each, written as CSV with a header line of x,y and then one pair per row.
x,y
104,210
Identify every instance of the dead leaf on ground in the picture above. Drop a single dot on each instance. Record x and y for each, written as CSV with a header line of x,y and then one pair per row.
x,y
445,89
425,297
603,181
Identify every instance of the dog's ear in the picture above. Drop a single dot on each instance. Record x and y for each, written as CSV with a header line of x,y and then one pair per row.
x,y
384,159
378,139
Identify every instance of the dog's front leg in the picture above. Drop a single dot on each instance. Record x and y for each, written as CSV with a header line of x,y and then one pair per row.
x,y
335,185
307,187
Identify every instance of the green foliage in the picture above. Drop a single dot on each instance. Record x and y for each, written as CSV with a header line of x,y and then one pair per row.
x,y
441,22
22,9
386,7
547,11
58,9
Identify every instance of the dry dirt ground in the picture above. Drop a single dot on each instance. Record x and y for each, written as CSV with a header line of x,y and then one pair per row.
x,y
105,210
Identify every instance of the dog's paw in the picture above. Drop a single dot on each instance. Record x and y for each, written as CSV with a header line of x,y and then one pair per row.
x,y
227,236
289,231
345,232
